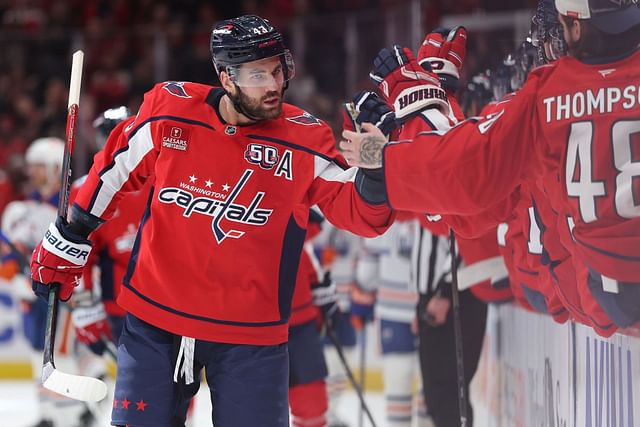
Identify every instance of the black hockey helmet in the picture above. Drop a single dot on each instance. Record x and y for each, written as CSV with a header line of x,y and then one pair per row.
x,y
107,121
477,94
244,39
609,16
503,78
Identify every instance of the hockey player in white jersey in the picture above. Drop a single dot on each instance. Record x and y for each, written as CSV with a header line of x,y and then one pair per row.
x,y
338,250
384,267
23,224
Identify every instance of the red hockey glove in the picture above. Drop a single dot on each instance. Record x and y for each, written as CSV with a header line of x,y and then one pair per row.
x,y
59,258
91,324
443,52
405,85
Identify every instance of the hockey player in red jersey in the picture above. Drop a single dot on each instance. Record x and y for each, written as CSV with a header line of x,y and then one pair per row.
x,y
314,299
212,271
99,319
581,135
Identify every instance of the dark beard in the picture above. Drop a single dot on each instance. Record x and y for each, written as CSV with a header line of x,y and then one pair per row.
x,y
253,109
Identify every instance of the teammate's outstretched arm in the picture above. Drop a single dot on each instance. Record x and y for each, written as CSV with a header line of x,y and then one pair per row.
x,y
364,149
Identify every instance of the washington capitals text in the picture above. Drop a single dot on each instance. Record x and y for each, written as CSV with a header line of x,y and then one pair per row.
x,y
219,209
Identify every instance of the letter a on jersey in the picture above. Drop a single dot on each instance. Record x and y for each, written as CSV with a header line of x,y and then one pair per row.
x,y
284,167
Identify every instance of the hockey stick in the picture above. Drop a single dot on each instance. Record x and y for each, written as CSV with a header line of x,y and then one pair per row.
x,y
74,386
363,355
334,340
23,262
457,329
110,348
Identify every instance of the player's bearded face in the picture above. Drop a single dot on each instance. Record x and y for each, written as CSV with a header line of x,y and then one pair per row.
x,y
259,88
264,105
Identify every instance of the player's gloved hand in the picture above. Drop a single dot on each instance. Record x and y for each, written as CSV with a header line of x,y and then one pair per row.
x,y
325,296
443,52
372,109
59,258
91,323
406,85
362,302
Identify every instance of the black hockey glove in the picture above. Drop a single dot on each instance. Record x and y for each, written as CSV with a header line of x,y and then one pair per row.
x,y
372,109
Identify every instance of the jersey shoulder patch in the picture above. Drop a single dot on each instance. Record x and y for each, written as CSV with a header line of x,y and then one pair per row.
x,y
176,89
305,119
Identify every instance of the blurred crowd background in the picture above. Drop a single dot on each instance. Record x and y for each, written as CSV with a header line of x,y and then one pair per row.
x,y
131,44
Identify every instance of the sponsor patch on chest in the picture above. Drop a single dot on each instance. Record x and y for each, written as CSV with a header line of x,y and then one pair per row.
x,y
175,137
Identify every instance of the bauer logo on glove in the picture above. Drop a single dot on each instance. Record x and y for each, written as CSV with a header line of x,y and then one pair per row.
x,y
54,243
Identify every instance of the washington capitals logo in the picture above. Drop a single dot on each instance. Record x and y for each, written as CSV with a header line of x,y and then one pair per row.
x,y
227,209
305,119
176,89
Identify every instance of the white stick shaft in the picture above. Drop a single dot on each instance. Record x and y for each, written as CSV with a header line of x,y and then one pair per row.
x,y
76,78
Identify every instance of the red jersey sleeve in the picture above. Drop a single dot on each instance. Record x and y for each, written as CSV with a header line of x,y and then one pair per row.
x,y
124,164
468,170
334,191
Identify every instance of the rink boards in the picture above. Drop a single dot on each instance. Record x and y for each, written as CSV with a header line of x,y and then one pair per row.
x,y
14,349
535,372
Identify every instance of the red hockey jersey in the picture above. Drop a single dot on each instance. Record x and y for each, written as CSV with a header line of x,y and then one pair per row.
x,y
584,134
556,255
113,242
531,278
219,247
309,273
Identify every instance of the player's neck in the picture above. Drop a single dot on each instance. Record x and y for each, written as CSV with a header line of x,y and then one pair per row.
x,y
231,115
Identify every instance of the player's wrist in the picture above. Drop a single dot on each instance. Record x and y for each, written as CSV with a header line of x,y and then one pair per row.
x,y
415,99
83,223
371,186
446,71
64,244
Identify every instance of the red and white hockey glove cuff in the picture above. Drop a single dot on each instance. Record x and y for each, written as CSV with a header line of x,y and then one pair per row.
x,y
91,322
405,85
59,258
414,100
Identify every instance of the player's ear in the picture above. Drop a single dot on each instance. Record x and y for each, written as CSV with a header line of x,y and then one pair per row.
x,y
575,29
226,82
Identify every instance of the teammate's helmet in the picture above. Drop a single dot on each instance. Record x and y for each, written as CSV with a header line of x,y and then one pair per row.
x,y
244,39
609,16
477,94
47,151
108,120
502,78
526,58
546,29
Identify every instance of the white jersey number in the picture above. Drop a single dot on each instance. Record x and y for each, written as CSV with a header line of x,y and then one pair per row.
x,y
534,243
586,189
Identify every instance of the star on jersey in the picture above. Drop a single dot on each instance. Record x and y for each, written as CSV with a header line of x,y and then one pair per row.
x,y
208,183
192,178
225,187
140,405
